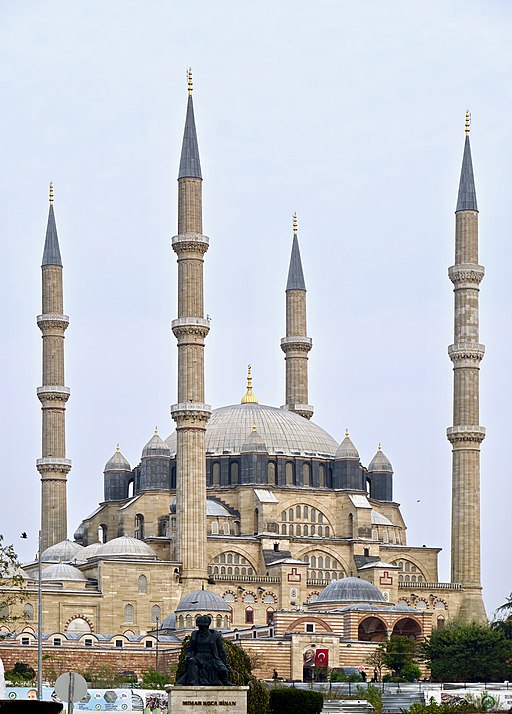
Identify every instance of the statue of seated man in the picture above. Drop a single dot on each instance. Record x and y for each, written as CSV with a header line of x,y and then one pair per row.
x,y
205,662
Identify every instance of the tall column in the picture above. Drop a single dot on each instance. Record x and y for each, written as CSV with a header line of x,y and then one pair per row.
x,y
53,395
191,414
296,344
466,434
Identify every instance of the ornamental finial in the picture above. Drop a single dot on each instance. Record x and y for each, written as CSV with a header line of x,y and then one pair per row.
x,y
117,448
346,432
295,224
51,192
468,121
379,447
189,80
156,431
249,397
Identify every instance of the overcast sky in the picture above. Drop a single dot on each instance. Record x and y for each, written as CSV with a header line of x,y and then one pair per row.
x,y
350,113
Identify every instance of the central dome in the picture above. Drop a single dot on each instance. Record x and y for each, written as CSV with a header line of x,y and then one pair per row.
x,y
282,432
350,590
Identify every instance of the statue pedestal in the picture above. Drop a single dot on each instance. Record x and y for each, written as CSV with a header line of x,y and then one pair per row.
x,y
214,700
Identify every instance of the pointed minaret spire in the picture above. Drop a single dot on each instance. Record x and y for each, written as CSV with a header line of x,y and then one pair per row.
x,y
466,434
190,413
249,397
51,252
53,465
190,165
296,344
466,200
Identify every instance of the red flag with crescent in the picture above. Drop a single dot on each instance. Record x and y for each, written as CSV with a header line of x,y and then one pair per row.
x,y
322,658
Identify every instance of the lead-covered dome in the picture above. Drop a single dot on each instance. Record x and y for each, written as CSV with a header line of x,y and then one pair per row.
x,y
350,590
380,462
282,432
202,601
347,450
64,552
62,572
117,462
156,446
126,547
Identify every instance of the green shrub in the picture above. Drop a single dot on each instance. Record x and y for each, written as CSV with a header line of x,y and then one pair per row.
x,y
288,700
21,672
151,679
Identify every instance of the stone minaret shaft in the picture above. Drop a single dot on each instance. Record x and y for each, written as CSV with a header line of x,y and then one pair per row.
x,y
191,414
296,344
53,395
466,434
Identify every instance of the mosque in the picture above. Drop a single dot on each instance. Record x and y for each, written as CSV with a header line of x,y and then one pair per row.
x,y
251,513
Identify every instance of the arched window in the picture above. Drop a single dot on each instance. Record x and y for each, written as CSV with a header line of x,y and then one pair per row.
x,y
188,621
216,474
228,597
139,526
269,599
283,515
102,533
181,622
129,613
270,615
28,611
368,486
226,528
215,528
313,515
290,514
226,622
305,513
218,622
289,473
249,616
163,525
327,532
321,476
306,530
306,474
78,624
233,472
298,512
249,598
156,613
131,489
283,529
291,529
271,473
142,584
298,530
256,524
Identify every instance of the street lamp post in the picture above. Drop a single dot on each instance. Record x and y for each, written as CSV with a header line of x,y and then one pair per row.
x,y
156,655
39,621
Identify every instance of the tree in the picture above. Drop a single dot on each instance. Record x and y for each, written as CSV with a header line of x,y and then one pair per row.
x,y
469,653
376,660
399,654
506,607
12,583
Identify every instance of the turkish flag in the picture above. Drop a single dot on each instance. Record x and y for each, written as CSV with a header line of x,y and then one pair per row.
x,y
322,658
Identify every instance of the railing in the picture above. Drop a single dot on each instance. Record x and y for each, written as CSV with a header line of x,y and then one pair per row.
x,y
246,578
311,581
429,586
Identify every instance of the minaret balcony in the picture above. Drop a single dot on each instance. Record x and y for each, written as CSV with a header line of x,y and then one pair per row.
x,y
191,411
53,393
190,242
305,410
53,464
52,319
190,326
466,354
466,275
462,434
299,342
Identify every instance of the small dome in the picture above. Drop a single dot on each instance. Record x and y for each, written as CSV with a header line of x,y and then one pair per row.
x,y
62,571
202,601
14,571
90,551
156,446
117,462
125,547
347,450
169,623
63,552
351,590
380,462
253,443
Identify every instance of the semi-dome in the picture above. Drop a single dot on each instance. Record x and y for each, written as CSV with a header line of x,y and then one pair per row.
x,y
202,601
282,431
125,547
64,552
169,623
347,450
350,590
156,446
62,571
117,462
380,462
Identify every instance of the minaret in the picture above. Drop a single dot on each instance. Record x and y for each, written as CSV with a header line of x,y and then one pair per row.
x,y
53,395
191,414
466,434
296,344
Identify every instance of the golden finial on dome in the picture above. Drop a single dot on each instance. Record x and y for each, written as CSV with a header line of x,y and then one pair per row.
x,y
346,433
249,397
295,224
156,431
51,192
254,428
379,447
189,80
468,121
117,448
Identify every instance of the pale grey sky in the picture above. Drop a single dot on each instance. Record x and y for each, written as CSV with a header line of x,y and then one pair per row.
x,y
350,113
